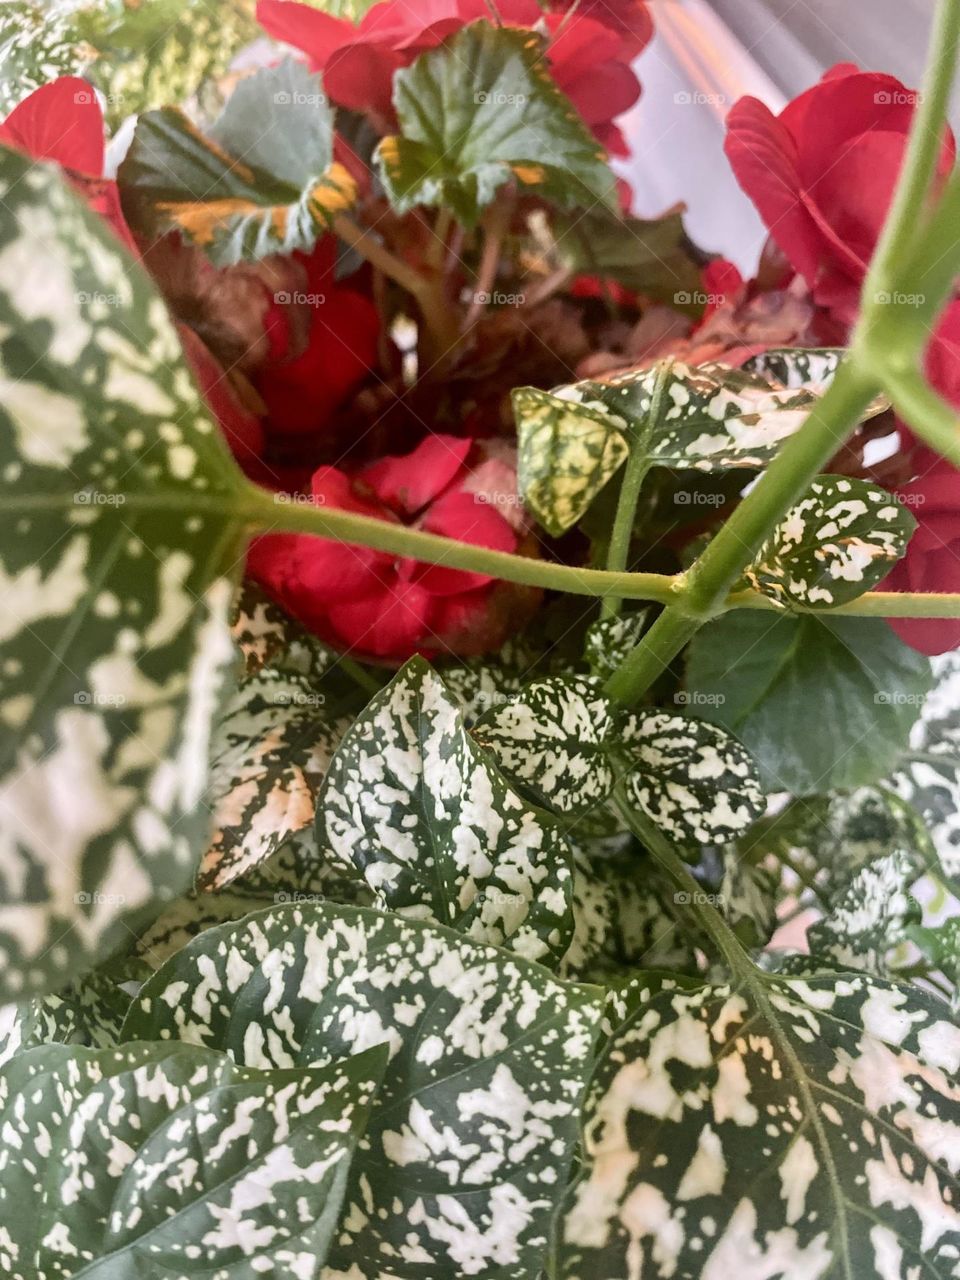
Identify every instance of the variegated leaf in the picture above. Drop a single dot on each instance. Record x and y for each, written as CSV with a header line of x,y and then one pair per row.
x,y
556,738
88,1012
610,640
795,367
262,181
469,1147
573,439
412,804
747,895
268,637
694,781
929,776
190,916
786,1128
482,111
123,524
871,916
170,1160
567,453
838,541
271,749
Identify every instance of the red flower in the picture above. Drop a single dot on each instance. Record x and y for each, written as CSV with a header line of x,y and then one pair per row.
x,y
377,603
932,562
303,383
822,174
590,52
62,122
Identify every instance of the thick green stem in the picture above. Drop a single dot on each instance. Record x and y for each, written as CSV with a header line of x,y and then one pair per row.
x,y
905,221
708,583
637,469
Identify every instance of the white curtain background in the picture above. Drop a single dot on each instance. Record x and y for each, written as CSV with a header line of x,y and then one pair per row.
x,y
707,55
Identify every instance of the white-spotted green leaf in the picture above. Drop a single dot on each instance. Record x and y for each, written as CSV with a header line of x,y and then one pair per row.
x,y
271,748
170,1160
783,1129
870,916
122,528
795,367
621,923
573,439
468,1149
929,775
90,1011
192,915
262,181
566,454
413,805
555,738
773,683
481,111
694,781
748,895
838,541
610,640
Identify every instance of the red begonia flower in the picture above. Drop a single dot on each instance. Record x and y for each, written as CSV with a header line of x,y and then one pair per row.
x,y
822,174
377,603
932,561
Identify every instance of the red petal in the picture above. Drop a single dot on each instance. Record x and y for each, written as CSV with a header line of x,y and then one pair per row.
x,y
360,77
764,159
464,517
408,483
389,624
242,429
318,34
60,121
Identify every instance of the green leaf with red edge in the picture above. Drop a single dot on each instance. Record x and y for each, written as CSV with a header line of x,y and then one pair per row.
x,y
479,112
263,180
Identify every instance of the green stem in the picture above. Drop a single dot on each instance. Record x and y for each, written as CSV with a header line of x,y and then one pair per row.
x,y
708,583
905,221
930,417
637,469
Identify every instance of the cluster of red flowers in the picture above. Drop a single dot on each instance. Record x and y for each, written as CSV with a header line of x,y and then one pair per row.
x,y
821,174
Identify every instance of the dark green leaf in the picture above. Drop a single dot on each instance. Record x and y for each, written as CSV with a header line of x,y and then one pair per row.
x,y
653,258
820,703
414,806
482,111
262,181
838,541
169,1161
123,524
469,1147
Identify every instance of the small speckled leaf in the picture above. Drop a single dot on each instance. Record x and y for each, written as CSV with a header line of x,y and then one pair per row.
x,y
268,637
173,1161
610,640
262,181
796,367
270,751
839,540
89,1011
412,804
482,111
555,738
114,641
469,1147
190,916
694,781
567,453
800,1129
870,916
